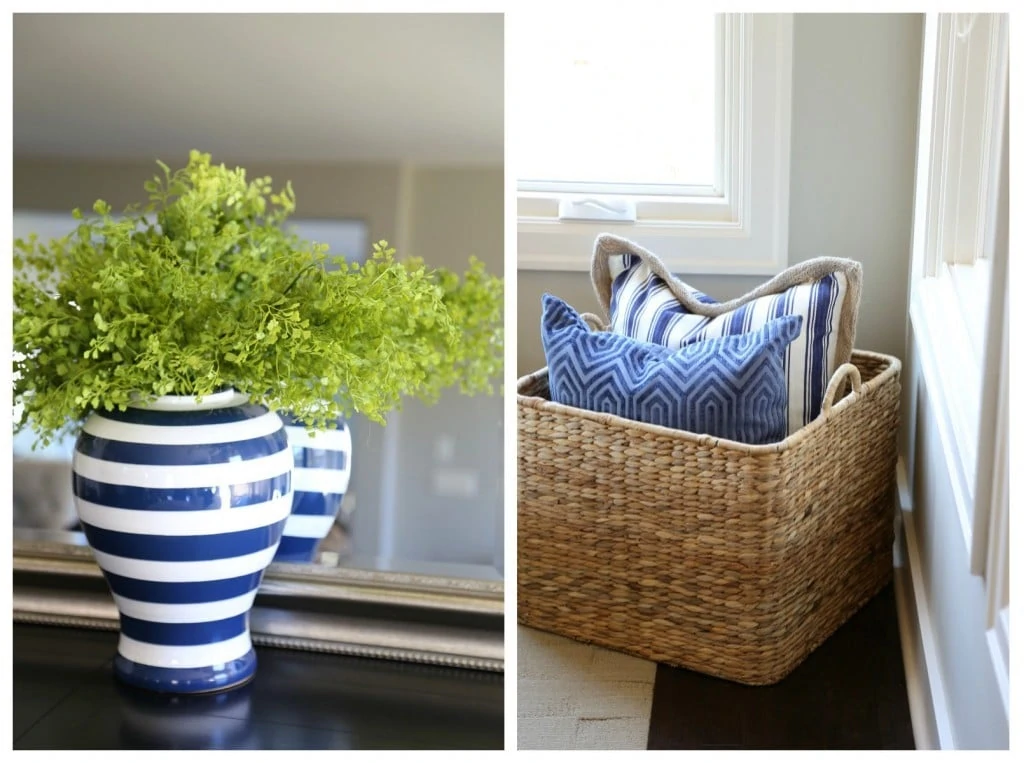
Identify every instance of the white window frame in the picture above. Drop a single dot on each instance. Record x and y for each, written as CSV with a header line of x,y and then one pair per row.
x,y
957,258
739,226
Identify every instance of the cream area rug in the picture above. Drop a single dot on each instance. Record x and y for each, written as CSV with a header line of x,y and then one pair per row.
x,y
573,696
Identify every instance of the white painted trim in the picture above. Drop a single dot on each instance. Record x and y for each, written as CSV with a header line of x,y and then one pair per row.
x,y
991,491
924,199
994,514
972,70
926,693
955,224
922,716
998,638
989,552
939,347
745,230
956,191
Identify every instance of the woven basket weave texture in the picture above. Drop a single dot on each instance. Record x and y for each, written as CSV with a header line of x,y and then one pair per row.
x,y
732,560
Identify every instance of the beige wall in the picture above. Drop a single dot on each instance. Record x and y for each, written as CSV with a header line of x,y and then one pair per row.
x,y
854,129
456,212
353,190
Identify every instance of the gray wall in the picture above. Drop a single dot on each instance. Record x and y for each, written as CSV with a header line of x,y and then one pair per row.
x,y
856,82
854,130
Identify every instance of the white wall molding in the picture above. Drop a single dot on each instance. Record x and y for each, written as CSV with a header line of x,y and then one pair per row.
x,y
989,551
957,258
938,344
926,693
955,506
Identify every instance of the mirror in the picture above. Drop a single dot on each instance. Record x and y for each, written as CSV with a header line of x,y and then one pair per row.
x,y
388,126
425,490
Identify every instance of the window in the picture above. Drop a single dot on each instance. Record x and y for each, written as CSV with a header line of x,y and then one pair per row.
x,y
970,85
669,128
958,258
605,98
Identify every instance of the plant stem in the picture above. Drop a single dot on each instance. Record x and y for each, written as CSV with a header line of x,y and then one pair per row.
x,y
298,276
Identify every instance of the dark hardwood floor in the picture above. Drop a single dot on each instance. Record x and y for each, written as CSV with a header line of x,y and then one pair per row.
x,y
66,697
850,694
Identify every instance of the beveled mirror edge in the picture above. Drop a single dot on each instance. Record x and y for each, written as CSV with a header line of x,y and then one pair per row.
x,y
274,623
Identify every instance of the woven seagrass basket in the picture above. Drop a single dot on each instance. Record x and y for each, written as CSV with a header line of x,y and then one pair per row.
x,y
729,559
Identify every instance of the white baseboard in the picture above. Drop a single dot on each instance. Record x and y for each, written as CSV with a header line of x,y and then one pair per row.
x,y
929,712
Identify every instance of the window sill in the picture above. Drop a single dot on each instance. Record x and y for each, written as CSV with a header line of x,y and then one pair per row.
x,y
710,248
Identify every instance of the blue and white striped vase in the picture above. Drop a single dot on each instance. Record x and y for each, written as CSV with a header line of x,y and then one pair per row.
x,y
183,505
323,466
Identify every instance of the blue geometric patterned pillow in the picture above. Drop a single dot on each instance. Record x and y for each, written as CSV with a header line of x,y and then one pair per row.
x,y
645,302
732,387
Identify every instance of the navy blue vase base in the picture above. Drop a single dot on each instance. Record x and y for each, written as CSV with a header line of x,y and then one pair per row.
x,y
204,680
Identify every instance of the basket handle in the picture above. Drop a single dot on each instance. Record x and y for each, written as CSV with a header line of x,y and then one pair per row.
x,y
836,383
595,322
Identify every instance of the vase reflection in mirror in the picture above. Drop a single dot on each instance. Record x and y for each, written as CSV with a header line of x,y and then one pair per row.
x,y
323,466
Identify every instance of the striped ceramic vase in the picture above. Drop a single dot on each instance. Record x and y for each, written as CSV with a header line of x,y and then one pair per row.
x,y
323,465
183,505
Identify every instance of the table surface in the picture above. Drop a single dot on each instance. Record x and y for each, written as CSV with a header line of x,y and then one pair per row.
x,y
66,697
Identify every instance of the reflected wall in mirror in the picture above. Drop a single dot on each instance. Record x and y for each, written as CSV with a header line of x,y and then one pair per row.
x,y
423,173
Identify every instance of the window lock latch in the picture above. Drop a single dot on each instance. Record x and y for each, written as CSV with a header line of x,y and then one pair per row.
x,y
605,210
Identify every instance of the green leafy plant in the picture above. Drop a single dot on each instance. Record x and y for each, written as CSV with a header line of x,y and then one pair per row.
x,y
204,288
475,303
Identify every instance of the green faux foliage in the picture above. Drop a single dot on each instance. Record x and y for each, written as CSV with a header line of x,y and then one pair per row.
x,y
475,302
204,289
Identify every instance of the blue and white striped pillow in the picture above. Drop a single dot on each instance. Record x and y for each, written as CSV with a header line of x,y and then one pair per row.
x,y
645,302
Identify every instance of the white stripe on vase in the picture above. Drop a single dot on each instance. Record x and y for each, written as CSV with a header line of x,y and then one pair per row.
x,y
186,572
189,476
320,480
308,526
176,403
325,439
199,656
207,434
205,522
203,612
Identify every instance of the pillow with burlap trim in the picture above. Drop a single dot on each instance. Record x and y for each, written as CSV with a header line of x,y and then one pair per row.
x,y
642,300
